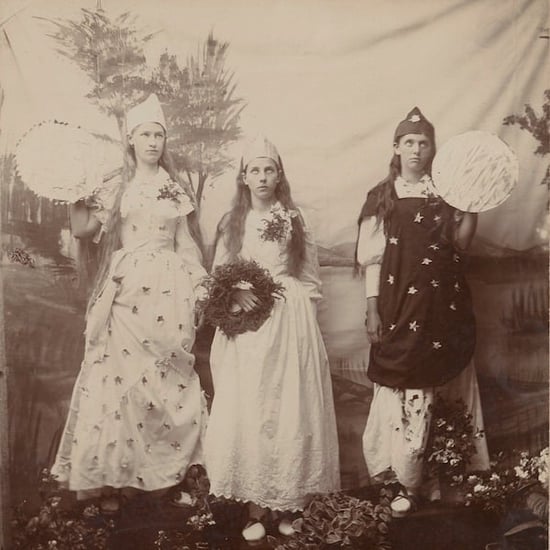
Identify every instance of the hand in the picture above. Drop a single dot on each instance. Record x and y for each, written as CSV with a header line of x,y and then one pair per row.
x,y
199,319
458,216
314,306
186,344
82,224
466,223
374,327
246,300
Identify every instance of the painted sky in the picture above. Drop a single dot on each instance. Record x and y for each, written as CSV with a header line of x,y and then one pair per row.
x,y
327,81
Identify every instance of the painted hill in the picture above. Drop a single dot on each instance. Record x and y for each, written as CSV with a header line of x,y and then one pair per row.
x,y
340,255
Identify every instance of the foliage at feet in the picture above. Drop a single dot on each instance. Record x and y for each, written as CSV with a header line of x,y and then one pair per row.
x,y
511,484
53,528
451,443
340,520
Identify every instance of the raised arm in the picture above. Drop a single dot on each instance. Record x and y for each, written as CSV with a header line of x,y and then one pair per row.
x,y
89,218
465,229
83,224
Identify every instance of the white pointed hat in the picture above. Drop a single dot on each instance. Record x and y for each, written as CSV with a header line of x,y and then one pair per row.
x,y
147,111
260,146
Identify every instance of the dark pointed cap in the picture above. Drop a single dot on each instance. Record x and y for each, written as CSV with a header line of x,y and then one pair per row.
x,y
414,123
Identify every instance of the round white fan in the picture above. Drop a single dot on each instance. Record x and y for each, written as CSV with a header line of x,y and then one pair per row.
x,y
63,162
475,171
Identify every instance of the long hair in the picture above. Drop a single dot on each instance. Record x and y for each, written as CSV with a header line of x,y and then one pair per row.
x,y
384,199
111,240
231,228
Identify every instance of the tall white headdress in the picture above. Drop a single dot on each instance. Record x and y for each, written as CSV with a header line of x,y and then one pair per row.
x,y
260,146
148,111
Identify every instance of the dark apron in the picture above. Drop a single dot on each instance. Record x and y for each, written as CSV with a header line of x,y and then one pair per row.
x,y
428,326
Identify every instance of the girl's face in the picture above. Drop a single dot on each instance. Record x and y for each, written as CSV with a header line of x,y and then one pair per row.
x,y
148,141
415,151
261,177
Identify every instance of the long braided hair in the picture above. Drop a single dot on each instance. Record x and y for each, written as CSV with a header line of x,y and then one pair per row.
x,y
232,226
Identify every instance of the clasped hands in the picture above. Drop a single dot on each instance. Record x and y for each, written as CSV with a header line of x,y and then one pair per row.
x,y
244,300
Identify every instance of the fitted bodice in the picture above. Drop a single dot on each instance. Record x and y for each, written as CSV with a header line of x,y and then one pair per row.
x,y
150,210
271,255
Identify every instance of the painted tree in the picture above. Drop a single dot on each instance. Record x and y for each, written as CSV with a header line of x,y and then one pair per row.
x,y
110,52
203,111
538,127
211,120
199,98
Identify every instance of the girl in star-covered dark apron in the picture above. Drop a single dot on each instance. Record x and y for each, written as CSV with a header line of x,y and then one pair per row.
x,y
420,321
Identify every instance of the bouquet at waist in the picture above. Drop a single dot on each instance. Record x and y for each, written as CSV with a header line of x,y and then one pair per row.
x,y
219,307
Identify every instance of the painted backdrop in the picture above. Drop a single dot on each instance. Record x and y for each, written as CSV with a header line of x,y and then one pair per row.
x,y
327,82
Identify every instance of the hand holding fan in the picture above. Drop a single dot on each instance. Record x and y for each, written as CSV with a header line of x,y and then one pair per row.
x,y
65,163
475,171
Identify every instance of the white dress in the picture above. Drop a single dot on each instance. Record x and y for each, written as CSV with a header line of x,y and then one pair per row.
x,y
271,437
397,426
138,415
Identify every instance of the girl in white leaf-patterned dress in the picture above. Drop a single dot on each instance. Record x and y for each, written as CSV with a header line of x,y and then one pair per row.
x,y
137,414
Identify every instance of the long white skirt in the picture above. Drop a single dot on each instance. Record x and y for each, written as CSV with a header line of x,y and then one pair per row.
x,y
271,437
389,445
138,415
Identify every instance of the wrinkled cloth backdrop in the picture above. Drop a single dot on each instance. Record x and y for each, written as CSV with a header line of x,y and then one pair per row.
x,y
328,81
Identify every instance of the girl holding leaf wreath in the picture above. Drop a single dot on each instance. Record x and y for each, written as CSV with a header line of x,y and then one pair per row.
x,y
271,439
420,321
137,414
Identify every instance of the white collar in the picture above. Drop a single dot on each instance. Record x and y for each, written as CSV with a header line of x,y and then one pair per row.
x,y
424,180
424,187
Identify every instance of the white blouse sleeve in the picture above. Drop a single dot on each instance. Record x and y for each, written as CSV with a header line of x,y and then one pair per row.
x,y
371,245
309,275
189,251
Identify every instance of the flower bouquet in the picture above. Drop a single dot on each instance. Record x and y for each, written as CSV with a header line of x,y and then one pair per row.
x,y
534,467
277,225
491,491
171,191
219,308
505,485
